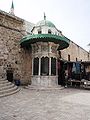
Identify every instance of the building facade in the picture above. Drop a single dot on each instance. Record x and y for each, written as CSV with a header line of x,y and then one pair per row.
x,y
16,61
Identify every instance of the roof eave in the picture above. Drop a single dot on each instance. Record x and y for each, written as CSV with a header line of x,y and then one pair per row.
x,y
61,40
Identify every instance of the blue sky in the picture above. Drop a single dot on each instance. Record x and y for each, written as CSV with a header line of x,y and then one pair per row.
x,y
72,17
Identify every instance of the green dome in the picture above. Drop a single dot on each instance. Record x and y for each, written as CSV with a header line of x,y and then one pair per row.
x,y
45,23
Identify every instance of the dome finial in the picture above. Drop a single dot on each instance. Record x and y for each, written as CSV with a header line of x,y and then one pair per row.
x,y
44,16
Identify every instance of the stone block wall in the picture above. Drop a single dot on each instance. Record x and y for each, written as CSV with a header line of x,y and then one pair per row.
x,y
75,52
12,56
26,65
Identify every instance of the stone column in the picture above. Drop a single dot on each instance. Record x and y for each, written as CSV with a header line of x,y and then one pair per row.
x,y
56,67
49,66
39,66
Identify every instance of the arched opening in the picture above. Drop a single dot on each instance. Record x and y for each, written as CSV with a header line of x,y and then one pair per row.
x,y
68,57
45,66
39,31
35,66
53,66
59,52
49,31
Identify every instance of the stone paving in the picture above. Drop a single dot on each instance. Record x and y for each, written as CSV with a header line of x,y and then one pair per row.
x,y
65,104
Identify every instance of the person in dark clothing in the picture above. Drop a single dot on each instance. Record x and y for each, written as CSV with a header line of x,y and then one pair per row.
x,y
66,78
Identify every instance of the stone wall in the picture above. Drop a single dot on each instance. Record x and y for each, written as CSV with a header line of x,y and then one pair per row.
x,y
12,56
26,65
75,52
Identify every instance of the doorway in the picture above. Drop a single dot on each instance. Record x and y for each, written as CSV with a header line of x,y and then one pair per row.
x,y
61,70
9,75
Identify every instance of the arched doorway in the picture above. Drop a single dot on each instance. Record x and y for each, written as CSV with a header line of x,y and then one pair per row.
x,y
9,75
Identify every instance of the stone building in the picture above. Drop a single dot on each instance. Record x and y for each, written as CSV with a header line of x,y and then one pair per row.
x,y
44,42
75,53
16,58
11,31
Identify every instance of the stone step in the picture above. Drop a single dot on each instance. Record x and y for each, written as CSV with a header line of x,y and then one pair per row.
x,y
42,88
3,81
9,93
7,88
5,84
3,91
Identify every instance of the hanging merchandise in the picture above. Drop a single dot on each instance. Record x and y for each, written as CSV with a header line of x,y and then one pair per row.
x,y
78,67
74,68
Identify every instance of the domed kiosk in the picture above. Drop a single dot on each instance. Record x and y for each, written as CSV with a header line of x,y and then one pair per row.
x,y
45,41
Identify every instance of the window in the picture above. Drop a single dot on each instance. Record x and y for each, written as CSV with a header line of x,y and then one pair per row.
x,y
45,66
55,33
39,31
76,59
53,66
68,57
35,66
49,31
59,52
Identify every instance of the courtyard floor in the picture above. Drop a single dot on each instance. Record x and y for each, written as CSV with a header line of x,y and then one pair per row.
x,y
65,104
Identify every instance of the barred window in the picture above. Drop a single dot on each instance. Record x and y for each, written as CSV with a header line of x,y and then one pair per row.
x,y
53,66
35,66
44,66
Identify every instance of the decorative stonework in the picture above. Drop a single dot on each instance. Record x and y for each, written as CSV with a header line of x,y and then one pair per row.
x,y
45,47
43,51
54,49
